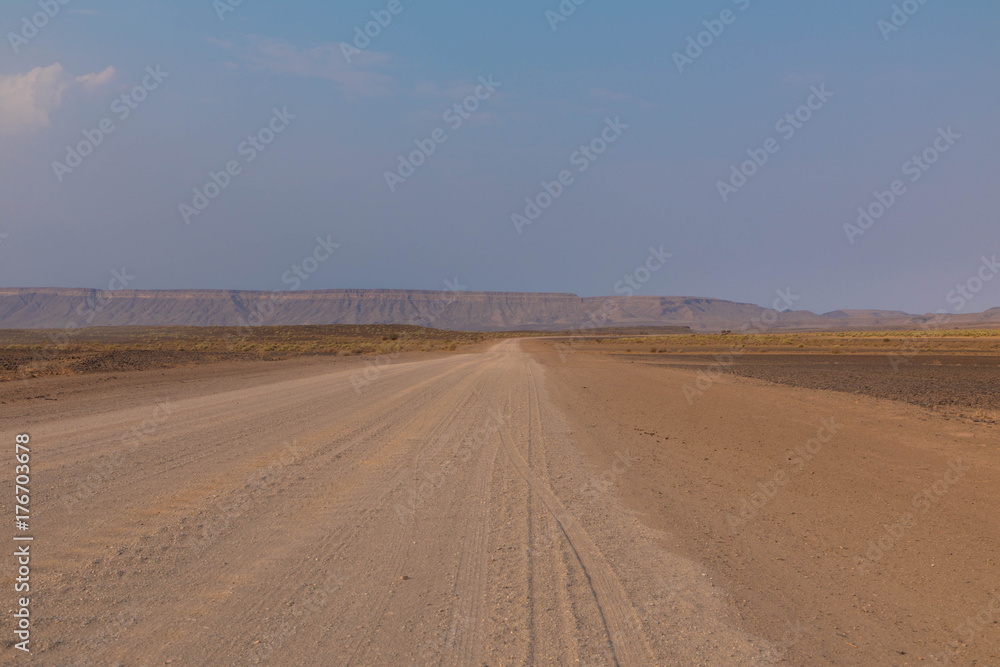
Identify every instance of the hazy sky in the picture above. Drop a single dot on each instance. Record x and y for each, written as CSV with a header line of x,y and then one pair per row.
x,y
201,78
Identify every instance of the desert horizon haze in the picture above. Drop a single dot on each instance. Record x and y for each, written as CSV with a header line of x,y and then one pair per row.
x,y
851,159
395,333
61,308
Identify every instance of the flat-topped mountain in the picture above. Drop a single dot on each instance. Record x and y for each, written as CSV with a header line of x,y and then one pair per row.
x,y
56,308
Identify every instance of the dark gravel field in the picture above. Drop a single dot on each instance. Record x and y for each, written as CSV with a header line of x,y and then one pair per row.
x,y
967,382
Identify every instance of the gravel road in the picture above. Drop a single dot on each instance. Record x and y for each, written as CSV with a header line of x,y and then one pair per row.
x,y
472,509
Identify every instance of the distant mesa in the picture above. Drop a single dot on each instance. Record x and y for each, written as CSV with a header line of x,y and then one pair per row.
x,y
59,308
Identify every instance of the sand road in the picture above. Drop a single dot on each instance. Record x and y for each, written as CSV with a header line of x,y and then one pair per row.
x,y
447,512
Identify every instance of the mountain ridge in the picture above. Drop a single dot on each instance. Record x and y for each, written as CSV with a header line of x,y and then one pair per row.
x,y
61,307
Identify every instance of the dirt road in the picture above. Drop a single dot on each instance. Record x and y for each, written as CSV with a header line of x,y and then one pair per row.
x,y
497,508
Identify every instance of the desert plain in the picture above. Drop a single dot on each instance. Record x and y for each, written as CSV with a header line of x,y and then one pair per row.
x,y
404,496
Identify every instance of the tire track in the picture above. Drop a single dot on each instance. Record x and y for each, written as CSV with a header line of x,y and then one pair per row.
x,y
559,567
470,581
624,628
365,430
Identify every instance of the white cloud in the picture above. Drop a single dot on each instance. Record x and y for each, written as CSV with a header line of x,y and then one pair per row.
x,y
357,78
95,80
26,100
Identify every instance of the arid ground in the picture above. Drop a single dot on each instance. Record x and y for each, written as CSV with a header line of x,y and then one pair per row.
x,y
671,500
26,353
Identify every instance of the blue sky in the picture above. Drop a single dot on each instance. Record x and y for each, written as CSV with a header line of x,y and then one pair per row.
x,y
324,175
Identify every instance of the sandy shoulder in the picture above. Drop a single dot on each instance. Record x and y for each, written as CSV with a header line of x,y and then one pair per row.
x,y
849,529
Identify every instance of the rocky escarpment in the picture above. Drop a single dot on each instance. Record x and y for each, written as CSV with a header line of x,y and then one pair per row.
x,y
36,308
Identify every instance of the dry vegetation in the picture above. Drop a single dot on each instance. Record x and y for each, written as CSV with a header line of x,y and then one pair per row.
x,y
956,372
33,353
967,341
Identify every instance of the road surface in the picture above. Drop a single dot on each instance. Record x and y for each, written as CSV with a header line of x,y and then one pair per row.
x,y
443,511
